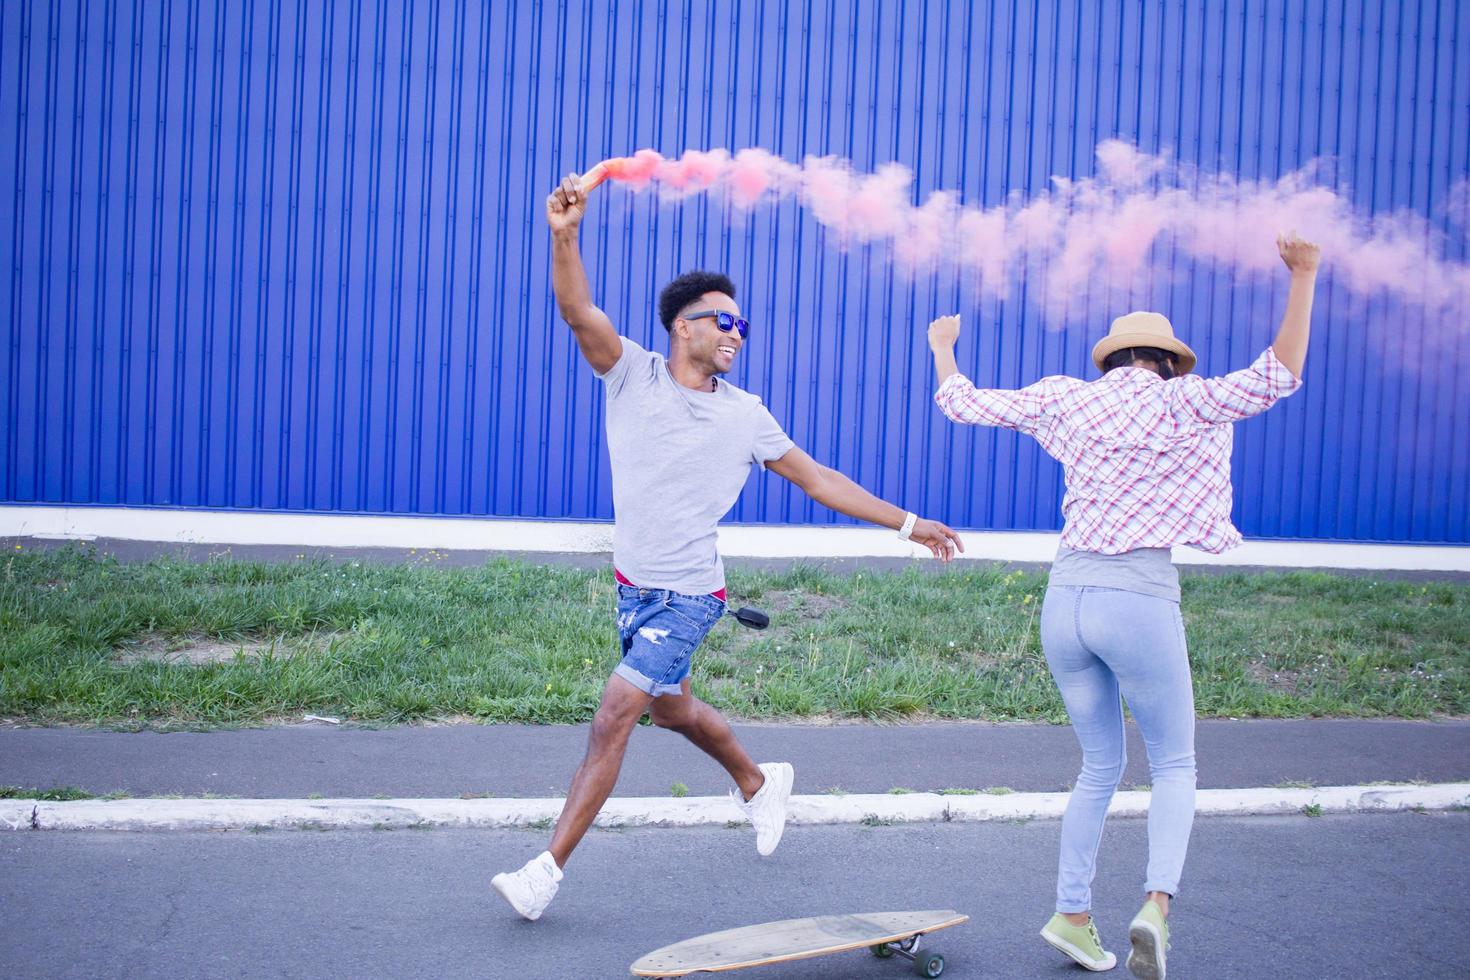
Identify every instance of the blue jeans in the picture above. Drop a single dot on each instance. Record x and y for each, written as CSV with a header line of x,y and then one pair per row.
x,y
1101,643
658,631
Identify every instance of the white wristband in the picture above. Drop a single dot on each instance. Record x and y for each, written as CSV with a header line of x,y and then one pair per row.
x,y
908,526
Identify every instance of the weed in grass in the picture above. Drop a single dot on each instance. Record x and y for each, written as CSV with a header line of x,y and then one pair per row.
x,y
899,791
835,791
1295,784
1141,788
958,791
997,791
470,795
314,796
55,794
543,824
1312,809
736,825
678,790
873,820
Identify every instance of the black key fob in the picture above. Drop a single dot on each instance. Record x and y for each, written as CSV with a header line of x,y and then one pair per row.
x,y
753,618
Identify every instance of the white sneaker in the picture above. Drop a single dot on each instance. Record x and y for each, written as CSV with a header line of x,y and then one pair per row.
x,y
532,888
767,809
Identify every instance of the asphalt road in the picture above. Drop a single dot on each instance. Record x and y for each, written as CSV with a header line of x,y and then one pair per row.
x,y
1362,896
538,760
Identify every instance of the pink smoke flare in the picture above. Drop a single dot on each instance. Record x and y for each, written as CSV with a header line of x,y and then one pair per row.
x,y
1085,230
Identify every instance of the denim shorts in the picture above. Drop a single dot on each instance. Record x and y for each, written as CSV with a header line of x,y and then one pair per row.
x,y
659,631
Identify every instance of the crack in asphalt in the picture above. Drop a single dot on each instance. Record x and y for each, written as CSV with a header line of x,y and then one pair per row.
x,y
166,926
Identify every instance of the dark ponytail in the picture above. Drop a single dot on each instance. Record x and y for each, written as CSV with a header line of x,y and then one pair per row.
x,y
1165,363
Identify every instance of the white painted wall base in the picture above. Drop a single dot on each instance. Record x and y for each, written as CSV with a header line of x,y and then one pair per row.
x,y
736,540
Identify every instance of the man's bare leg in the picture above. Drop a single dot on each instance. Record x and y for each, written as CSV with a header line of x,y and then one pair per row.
x,y
708,729
622,705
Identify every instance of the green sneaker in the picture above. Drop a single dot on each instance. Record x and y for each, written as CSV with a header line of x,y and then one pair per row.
x,y
1078,942
1149,934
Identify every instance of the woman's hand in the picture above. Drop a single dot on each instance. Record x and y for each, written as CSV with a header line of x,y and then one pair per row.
x,y
1300,256
944,333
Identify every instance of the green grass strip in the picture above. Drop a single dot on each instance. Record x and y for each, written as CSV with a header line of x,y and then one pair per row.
x,y
168,643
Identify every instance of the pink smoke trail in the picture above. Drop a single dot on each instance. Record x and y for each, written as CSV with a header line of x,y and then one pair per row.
x,y
1081,231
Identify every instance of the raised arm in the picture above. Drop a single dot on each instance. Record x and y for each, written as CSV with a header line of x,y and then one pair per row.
x,y
831,489
1290,344
944,333
961,401
595,334
1277,372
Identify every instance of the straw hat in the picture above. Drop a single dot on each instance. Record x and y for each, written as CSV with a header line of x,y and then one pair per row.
x,y
1143,330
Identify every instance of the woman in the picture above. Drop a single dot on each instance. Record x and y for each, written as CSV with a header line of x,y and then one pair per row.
x,y
1146,451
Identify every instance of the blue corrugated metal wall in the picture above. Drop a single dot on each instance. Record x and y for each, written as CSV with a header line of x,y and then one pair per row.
x,y
292,256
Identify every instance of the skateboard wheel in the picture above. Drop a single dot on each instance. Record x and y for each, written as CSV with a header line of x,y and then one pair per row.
x,y
882,951
929,966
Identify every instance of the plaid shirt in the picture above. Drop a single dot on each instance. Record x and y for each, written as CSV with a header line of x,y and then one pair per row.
x,y
1147,461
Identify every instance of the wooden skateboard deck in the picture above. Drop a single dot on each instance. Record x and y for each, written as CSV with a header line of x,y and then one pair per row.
x,y
885,933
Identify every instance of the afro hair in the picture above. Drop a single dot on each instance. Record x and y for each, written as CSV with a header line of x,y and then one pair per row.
x,y
684,290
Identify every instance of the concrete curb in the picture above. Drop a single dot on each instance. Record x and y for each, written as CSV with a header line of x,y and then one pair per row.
x,y
875,809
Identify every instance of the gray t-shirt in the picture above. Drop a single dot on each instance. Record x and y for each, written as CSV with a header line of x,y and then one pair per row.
x,y
679,459
1150,571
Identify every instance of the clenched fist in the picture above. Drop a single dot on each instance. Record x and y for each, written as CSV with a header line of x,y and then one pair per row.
x,y
1299,255
566,205
944,333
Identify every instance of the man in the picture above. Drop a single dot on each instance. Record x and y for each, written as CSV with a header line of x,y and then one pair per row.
x,y
682,442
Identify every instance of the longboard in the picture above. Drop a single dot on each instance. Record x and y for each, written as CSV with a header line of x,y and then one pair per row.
x,y
884,933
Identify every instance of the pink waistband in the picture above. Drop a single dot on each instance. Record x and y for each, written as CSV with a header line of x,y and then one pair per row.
x,y
623,580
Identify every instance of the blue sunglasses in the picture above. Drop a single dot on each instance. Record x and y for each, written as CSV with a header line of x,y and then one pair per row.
x,y
725,321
